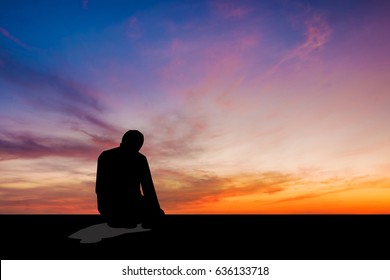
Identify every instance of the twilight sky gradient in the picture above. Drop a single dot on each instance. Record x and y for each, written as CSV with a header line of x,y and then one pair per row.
x,y
246,106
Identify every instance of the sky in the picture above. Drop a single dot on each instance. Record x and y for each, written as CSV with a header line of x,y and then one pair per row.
x,y
247,107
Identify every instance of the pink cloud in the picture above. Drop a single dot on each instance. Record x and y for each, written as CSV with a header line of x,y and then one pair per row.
x,y
133,22
14,39
247,42
85,4
317,34
174,135
200,65
134,29
230,10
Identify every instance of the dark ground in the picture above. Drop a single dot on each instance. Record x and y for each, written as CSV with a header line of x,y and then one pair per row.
x,y
223,237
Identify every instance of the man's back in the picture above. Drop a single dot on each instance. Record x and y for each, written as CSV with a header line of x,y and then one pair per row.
x,y
119,172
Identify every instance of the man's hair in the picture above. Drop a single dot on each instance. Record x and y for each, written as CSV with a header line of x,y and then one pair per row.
x,y
132,140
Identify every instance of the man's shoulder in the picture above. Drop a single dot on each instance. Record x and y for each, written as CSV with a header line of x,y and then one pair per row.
x,y
110,152
138,156
118,151
141,155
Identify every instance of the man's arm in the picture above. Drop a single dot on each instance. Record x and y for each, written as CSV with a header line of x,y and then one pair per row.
x,y
148,187
101,176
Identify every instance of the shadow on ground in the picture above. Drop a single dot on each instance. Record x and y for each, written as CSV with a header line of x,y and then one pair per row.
x,y
96,233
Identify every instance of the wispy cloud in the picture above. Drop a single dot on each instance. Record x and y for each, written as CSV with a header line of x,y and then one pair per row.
x,y
48,92
175,134
316,36
14,39
134,28
53,200
46,86
272,192
100,140
230,9
363,194
21,145
193,189
85,4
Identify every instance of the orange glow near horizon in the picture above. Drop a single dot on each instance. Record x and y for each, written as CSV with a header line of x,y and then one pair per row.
x,y
204,193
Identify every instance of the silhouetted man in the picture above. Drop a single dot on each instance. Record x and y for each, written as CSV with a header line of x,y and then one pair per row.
x,y
121,174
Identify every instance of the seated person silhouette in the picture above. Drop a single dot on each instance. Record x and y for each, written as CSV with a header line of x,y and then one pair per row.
x,y
122,173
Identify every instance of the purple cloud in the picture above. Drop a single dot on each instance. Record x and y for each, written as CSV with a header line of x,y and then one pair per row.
x,y
19,145
50,92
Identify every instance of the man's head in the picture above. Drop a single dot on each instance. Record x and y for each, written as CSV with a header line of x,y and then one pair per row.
x,y
132,140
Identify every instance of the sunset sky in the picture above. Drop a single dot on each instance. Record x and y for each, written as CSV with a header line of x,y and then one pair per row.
x,y
246,106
